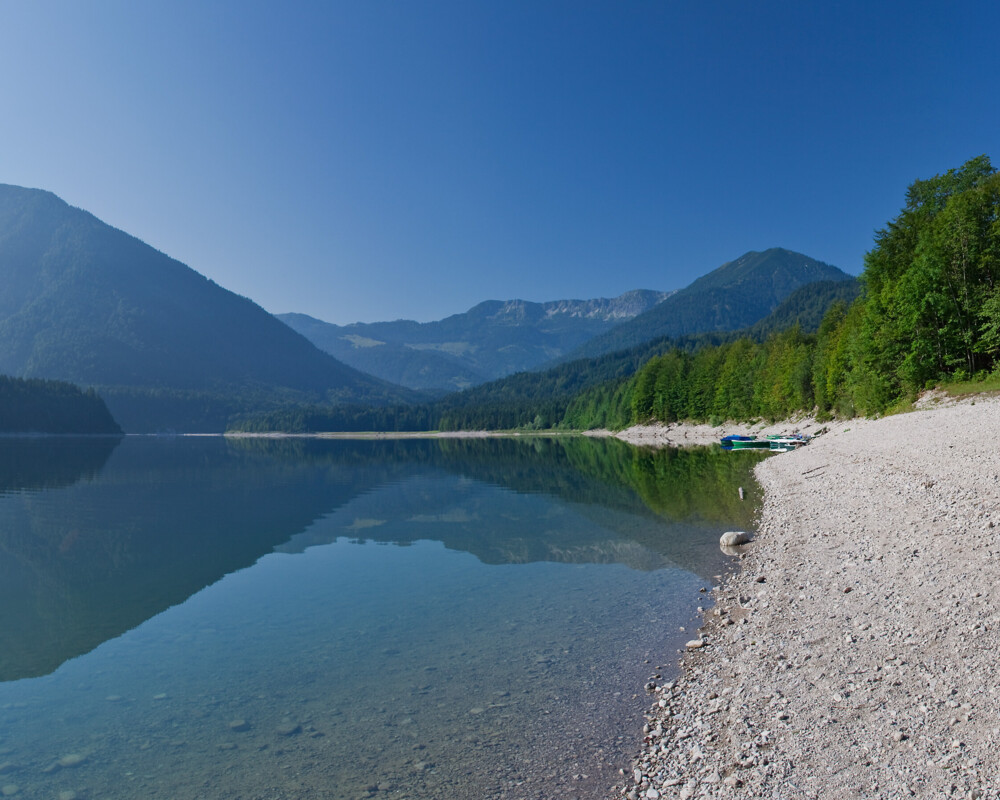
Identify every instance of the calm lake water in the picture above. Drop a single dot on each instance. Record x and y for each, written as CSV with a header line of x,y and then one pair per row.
x,y
205,618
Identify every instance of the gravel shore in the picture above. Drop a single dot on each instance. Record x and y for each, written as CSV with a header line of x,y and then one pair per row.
x,y
854,654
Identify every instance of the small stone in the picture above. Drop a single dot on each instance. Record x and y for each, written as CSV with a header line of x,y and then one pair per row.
x,y
477,710
694,644
10,790
288,728
652,794
160,696
898,736
760,579
637,775
72,760
848,589
239,725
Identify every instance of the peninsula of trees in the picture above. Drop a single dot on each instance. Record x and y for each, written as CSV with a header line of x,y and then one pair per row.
x,y
41,406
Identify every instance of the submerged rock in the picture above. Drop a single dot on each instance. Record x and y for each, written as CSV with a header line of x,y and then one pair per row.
x,y
288,727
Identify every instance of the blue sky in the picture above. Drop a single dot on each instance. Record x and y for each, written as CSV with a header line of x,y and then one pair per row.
x,y
374,160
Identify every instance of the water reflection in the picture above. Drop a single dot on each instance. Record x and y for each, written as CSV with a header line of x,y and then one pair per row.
x,y
457,619
98,538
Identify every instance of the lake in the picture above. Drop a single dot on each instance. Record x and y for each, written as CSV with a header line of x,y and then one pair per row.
x,y
200,617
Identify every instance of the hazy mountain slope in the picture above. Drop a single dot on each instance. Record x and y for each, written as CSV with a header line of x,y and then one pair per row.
x,y
81,301
492,339
731,297
399,363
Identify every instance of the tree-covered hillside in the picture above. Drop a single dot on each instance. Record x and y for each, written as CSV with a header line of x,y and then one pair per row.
x,y
930,313
40,406
83,302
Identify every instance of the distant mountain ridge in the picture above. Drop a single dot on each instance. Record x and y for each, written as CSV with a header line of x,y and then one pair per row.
x,y
492,339
733,296
83,302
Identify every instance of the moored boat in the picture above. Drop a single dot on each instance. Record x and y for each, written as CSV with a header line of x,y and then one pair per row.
x,y
744,443
777,443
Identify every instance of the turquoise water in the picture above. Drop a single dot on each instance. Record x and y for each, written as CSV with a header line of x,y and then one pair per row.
x,y
198,618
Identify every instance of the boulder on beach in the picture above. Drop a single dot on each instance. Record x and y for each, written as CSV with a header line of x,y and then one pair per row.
x,y
733,538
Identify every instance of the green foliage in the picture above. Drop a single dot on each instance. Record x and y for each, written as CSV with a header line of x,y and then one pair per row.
x,y
931,281
41,406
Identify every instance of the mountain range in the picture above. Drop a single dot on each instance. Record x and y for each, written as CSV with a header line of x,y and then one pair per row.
x,y
168,349
490,340
495,339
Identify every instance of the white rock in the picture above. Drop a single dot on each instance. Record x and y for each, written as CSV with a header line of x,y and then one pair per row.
x,y
733,538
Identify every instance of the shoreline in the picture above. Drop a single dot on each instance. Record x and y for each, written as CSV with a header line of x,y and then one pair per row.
x,y
852,655
689,434
395,435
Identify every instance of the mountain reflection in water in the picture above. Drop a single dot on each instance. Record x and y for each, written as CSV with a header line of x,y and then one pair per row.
x,y
99,535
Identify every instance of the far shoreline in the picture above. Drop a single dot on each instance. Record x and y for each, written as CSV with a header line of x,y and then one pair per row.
x,y
374,435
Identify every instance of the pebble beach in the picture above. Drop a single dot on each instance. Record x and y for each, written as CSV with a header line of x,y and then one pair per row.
x,y
853,651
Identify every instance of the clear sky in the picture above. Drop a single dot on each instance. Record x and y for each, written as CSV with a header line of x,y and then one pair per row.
x,y
371,160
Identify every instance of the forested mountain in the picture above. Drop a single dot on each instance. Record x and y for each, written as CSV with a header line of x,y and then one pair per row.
x,y
930,313
83,302
731,297
40,406
490,340
540,399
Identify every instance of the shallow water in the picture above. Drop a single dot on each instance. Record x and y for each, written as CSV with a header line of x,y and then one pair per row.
x,y
210,619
